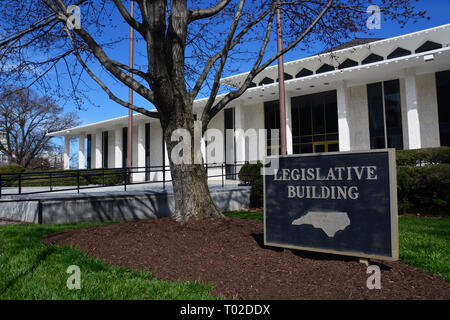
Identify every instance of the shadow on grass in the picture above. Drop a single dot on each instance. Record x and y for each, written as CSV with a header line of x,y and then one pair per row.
x,y
39,259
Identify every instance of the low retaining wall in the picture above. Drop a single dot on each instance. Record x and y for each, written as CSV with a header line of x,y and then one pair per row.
x,y
120,206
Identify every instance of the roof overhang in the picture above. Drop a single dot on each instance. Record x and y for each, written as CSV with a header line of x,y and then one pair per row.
x,y
383,48
101,125
355,76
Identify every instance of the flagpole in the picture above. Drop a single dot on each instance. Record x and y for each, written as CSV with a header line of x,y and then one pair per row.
x,y
130,96
281,87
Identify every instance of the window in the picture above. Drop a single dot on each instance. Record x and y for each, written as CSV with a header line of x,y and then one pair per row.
x,y
347,64
325,68
272,122
443,93
399,52
287,77
125,147
89,154
385,115
315,123
372,58
429,46
266,81
105,149
147,151
229,145
304,73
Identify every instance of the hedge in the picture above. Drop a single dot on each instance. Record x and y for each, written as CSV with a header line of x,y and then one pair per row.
x,y
424,190
12,168
250,175
423,157
58,178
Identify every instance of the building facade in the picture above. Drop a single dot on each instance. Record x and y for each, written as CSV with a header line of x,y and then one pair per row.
x,y
389,93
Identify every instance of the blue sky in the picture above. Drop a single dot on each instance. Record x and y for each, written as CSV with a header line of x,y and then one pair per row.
x,y
438,10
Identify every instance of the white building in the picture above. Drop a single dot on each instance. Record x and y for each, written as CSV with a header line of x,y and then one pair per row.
x,y
374,94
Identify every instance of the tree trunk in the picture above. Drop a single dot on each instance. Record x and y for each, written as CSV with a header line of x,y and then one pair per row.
x,y
192,196
190,185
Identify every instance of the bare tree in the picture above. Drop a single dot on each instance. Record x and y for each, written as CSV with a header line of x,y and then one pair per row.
x,y
26,119
186,47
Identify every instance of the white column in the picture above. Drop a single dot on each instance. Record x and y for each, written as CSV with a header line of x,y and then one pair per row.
x,y
289,147
344,129
140,152
66,152
98,150
239,133
81,152
412,109
118,142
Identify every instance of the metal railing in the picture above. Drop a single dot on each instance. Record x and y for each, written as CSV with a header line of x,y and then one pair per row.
x,y
79,180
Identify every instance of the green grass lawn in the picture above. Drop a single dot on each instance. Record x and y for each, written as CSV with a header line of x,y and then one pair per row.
x,y
425,243
30,270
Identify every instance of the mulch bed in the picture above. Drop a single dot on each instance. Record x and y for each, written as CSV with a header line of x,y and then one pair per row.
x,y
230,254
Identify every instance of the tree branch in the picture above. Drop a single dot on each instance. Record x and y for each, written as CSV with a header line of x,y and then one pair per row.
x,y
106,89
206,13
128,18
101,56
256,70
211,61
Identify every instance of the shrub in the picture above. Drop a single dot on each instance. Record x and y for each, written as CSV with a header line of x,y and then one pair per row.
x,y
250,175
423,156
249,172
12,168
111,177
424,190
12,174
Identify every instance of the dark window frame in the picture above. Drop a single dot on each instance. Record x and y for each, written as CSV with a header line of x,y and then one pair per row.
x,y
105,149
385,115
443,98
305,138
124,147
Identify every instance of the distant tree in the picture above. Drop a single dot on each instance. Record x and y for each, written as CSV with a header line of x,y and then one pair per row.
x,y
40,164
26,119
186,46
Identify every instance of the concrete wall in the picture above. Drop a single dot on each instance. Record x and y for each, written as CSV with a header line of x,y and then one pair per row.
x,y
156,153
254,119
111,142
428,110
404,114
113,207
93,151
358,119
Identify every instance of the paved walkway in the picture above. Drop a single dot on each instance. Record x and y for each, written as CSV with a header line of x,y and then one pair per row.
x,y
6,222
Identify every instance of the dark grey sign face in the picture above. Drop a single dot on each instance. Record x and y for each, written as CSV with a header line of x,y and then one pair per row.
x,y
343,203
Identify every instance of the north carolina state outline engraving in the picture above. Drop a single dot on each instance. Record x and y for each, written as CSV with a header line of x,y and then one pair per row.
x,y
329,222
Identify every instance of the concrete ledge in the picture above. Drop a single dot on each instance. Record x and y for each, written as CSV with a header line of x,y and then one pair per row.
x,y
116,206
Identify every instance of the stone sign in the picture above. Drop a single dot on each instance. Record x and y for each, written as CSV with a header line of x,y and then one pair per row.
x,y
341,203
